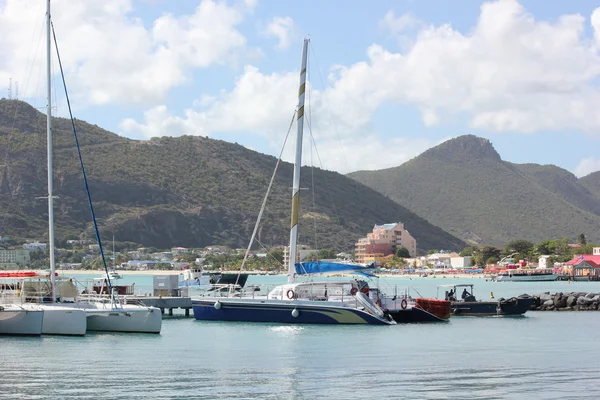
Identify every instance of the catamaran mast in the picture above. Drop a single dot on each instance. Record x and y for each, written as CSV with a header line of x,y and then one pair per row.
x,y
297,165
49,140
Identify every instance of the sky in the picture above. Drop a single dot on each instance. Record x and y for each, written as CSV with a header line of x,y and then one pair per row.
x,y
387,79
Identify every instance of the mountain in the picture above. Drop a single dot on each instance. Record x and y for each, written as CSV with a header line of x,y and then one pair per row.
x,y
463,186
188,191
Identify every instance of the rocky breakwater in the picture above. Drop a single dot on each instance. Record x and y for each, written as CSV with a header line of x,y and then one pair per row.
x,y
575,301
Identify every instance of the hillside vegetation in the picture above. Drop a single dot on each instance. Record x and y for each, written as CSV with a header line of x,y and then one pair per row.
x,y
188,191
464,187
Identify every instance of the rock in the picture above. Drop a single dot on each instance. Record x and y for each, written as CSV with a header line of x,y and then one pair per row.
x,y
571,301
583,301
547,303
590,295
556,301
562,303
545,296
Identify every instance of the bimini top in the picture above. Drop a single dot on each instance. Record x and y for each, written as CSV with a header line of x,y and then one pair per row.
x,y
457,285
320,267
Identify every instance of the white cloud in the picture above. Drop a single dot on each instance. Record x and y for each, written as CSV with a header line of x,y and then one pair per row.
x,y
586,166
281,28
511,72
110,56
260,104
398,24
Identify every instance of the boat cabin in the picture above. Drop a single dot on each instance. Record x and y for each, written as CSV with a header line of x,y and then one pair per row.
x,y
459,292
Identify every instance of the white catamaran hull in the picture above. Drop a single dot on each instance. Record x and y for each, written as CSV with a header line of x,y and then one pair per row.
x,y
59,320
15,320
132,319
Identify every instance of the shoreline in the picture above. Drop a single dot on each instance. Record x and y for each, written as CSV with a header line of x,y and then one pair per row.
x,y
66,272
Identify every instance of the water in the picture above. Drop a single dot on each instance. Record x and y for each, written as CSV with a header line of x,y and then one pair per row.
x,y
543,355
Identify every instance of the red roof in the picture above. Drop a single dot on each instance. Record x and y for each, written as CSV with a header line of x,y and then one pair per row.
x,y
588,258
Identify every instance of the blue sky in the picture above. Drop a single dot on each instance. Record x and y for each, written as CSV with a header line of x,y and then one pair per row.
x,y
389,78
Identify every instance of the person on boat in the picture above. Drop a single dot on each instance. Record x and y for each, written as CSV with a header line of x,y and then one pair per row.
x,y
465,294
452,296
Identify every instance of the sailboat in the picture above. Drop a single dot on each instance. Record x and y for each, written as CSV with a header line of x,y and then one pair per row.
x,y
89,312
58,319
295,302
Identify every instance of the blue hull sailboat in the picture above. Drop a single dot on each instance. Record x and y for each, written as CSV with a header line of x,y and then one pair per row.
x,y
326,302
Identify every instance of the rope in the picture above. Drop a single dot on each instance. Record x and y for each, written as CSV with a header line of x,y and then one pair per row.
x,y
85,181
264,203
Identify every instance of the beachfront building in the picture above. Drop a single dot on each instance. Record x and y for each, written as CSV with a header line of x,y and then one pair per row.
x,y
585,266
16,257
384,240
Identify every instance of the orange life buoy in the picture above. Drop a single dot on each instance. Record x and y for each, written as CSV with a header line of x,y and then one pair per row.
x,y
290,294
403,304
353,291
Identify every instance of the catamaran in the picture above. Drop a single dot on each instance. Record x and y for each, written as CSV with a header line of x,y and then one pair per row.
x,y
94,312
328,302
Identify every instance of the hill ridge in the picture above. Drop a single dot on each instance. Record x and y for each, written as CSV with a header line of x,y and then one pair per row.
x,y
190,191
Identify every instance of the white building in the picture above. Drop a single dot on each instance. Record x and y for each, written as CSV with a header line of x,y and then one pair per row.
x,y
35,246
544,261
14,257
460,262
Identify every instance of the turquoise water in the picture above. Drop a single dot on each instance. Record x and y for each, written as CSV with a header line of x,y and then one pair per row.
x,y
543,355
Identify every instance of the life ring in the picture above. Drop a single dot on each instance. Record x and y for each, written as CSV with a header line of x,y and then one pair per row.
x,y
290,294
403,304
353,291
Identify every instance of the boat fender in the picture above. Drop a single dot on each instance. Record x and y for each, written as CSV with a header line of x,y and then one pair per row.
x,y
353,291
295,313
290,294
403,304
217,305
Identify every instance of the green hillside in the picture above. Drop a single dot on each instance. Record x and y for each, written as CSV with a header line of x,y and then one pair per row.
x,y
188,191
464,187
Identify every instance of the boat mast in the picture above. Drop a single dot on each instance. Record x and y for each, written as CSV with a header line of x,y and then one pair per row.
x,y
297,165
49,145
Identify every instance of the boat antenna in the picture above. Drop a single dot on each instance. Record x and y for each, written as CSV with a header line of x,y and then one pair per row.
x,y
297,165
49,151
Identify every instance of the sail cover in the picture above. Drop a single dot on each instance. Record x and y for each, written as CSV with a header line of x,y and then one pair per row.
x,y
324,267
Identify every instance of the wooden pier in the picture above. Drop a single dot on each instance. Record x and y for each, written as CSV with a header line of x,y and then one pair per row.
x,y
167,303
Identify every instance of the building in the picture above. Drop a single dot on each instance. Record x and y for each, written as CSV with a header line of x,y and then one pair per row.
x,y
384,240
35,246
585,266
177,251
14,257
302,251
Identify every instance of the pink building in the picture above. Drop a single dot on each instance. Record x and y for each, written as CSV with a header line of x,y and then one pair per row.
x,y
384,240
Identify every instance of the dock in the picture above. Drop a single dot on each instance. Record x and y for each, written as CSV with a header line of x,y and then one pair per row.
x,y
167,303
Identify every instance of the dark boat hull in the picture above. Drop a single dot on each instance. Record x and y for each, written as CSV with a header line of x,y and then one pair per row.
x,y
412,315
279,312
513,306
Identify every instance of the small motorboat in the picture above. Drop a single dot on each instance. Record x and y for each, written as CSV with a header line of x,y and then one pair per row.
x,y
468,305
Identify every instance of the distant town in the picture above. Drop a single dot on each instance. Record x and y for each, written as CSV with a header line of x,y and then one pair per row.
x,y
389,246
